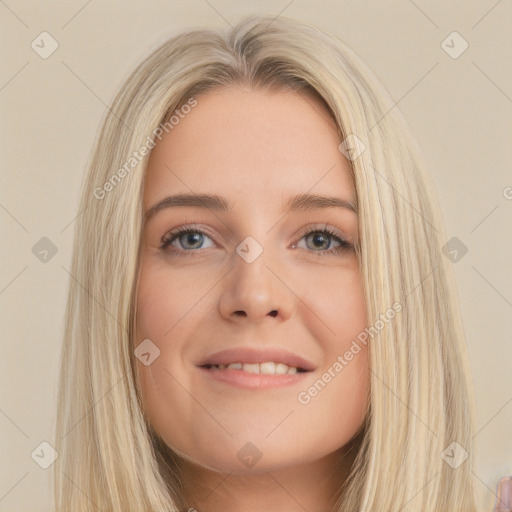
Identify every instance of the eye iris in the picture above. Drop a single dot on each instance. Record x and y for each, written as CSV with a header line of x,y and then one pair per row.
x,y
321,238
193,238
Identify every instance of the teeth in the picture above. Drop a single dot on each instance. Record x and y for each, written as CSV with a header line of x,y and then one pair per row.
x,y
267,368
251,368
281,369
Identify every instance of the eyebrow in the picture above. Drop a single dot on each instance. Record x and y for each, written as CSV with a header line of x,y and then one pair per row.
x,y
299,202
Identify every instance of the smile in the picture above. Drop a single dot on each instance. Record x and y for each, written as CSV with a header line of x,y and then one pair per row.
x,y
267,368
254,367
267,375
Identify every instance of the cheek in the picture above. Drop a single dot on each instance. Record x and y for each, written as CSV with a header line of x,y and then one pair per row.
x,y
157,312
167,301
340,390
337,311
173,308
157,300
170,306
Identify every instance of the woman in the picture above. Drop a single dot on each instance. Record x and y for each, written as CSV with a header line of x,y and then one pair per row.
x,y
261,317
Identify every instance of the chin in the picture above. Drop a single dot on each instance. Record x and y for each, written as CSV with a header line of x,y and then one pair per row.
x,y
240,458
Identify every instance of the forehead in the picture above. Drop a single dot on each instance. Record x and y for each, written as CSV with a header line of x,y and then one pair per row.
x,y
257,144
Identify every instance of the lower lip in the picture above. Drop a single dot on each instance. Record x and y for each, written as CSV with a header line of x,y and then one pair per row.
x,y
242,379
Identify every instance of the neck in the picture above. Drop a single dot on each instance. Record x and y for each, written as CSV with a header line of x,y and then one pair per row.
x,y
312,486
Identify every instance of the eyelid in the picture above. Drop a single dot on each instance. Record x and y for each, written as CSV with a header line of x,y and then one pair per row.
x,y
184,228
332,231
345,243
321,226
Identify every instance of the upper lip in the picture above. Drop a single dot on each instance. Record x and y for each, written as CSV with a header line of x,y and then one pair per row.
x,y
257,355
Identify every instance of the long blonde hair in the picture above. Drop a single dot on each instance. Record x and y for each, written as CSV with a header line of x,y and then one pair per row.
x,y
421,399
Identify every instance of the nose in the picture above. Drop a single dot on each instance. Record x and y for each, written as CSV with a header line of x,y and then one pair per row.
x,y
254,291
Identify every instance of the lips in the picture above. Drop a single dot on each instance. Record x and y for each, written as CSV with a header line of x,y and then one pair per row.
x,y
248,355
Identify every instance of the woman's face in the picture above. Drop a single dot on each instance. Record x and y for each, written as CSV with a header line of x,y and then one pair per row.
x,y
257,280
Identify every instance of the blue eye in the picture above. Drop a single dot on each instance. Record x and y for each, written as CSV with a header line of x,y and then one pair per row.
x,y
188,238
320,241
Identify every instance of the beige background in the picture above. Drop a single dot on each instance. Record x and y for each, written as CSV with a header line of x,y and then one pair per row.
x,y
459,110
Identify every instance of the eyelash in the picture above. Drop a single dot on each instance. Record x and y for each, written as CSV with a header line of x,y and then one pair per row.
x,y
343,246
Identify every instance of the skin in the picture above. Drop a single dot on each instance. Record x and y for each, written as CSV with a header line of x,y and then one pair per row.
x,y
256,149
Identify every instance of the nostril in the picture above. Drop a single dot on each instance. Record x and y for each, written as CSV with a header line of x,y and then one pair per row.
x,y
273,313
